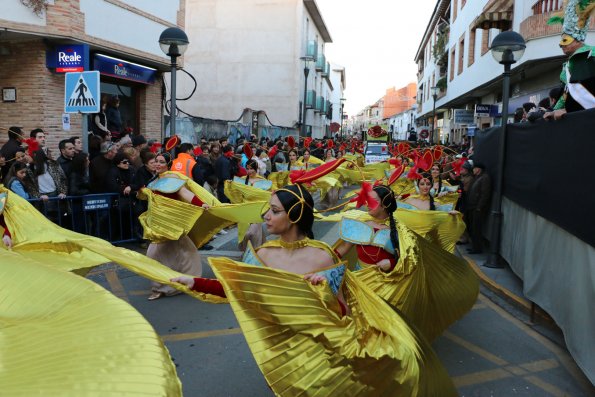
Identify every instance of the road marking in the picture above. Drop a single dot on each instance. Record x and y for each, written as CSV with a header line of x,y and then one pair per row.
x,y
546,386
200,335
475,349
115,285
480,377
562,355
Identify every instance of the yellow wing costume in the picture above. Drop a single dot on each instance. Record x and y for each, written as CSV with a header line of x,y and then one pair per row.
x,y
37,238
438,227
169,219
62,335
431,286
304,347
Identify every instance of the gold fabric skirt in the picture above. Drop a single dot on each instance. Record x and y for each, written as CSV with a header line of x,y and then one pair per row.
x,y
303,346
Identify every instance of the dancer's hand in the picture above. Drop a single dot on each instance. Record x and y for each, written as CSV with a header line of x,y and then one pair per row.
x,y
453,212
384,265
187,281
314,279
206,206
7,241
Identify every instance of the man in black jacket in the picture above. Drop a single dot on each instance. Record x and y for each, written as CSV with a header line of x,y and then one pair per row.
x,y
223,171
478,205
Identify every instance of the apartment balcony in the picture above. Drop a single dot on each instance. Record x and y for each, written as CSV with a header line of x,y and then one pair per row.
x,y
327,70
310,99
312,49
319,105
320,63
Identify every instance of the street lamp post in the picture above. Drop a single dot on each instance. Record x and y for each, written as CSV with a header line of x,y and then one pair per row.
x,y
173,43
434,96
342,105
306,60
507,48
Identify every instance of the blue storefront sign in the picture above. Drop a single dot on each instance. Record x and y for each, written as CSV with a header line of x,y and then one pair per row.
x,y
68,58
114,67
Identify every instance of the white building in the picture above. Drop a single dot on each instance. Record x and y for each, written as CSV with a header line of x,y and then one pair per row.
x,y
463,31
249,55
337,98
400,124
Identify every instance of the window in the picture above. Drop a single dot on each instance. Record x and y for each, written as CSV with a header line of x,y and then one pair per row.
x,y
461,54
452,63
471,56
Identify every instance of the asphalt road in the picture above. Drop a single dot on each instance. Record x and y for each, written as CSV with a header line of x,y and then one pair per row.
x,y
490,352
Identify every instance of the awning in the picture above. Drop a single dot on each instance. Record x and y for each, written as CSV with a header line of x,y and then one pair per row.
x,y
497,14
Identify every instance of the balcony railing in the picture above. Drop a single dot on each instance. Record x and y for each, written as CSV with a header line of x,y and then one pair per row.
x,y
319,104
311,99
545,6
312,49
327,70
320,62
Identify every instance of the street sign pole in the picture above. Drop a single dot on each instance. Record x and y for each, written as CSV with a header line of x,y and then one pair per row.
x,y
81,96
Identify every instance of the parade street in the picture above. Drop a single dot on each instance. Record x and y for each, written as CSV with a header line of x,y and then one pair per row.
x,y
490,352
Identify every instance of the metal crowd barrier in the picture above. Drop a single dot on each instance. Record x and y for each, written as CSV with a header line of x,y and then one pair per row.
x,y
109,216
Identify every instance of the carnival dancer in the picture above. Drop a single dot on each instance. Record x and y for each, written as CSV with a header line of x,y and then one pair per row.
x,y
175,205
255,234
578,73
425,199
180,255
287,297
440,187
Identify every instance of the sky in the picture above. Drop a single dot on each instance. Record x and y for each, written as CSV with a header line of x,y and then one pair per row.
x,y
376,41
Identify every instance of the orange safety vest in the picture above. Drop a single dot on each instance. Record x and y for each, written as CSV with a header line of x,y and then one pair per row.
x,y
183,164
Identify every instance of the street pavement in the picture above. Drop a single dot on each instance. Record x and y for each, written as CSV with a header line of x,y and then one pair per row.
x,y
493,351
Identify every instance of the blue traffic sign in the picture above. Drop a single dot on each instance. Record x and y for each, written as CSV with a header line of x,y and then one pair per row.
x,y
81,92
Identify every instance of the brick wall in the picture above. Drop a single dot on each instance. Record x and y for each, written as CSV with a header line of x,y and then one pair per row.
x,y
471,59
536,26
40,94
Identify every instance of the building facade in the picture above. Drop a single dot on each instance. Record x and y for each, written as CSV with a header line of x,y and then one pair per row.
x,y
105,36
454,56
250,57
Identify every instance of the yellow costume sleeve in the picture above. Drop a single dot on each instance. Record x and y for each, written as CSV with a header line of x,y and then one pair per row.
x,y
239,193
431,286
279,179
303,346
62,335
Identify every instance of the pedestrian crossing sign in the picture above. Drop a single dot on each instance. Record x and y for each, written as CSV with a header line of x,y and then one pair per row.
x,y
81,92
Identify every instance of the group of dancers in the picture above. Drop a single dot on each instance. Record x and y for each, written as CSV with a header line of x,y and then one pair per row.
x,y
355,318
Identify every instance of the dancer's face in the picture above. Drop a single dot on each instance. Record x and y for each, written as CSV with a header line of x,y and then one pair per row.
x,y
424,186
276,219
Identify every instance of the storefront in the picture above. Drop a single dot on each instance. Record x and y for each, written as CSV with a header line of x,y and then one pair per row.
x,y
136,86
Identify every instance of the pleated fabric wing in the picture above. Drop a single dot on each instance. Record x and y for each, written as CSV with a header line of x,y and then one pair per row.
x,y
241,193
64,336
37,238
438,227
305,348
432,287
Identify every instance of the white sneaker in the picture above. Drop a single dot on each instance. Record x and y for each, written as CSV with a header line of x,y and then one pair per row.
x,y
222,232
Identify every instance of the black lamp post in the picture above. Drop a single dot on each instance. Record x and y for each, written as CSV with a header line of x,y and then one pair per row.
x,y
507,48
173,43
434,91
342,105
307,60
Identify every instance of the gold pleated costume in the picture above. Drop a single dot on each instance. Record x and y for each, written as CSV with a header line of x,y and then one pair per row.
x,y
426,275
431,286
169,219
64,336
37,238
305,348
